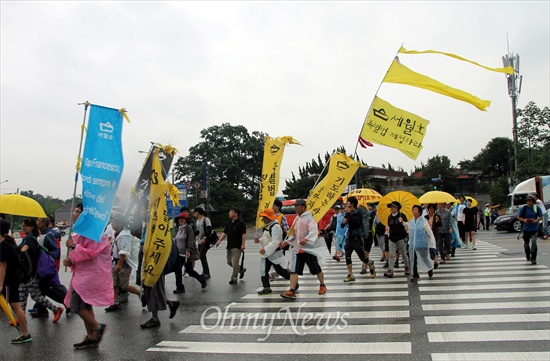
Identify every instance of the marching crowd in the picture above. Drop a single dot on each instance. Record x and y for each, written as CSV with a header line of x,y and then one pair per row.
x,y
101,271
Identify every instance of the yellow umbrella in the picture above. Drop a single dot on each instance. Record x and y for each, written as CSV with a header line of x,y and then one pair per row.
x,y
406,199
365,196
7,310
474,202
436,197
18,205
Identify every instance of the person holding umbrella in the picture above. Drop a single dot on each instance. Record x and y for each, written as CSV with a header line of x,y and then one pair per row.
x,y
397,235
9,281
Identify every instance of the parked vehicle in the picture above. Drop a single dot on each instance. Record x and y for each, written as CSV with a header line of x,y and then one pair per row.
x,y
510,222
290,213
517,198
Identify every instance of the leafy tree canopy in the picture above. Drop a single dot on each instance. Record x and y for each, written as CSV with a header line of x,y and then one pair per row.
x,y
234,157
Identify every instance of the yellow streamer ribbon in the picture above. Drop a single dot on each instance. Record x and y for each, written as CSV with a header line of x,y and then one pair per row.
x,y
123,112
78,164
400,74
507,70
167,149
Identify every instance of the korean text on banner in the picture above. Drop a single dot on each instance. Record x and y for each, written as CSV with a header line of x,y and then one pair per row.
x,y
322,197
394,127
102,165
269,186
158,243
400,74
140,194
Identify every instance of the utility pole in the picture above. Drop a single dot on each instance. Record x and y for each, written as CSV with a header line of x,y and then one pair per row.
x,y
514,89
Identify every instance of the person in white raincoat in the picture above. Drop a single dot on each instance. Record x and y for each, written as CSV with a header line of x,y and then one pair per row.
x,y
307,249
421,240
271,252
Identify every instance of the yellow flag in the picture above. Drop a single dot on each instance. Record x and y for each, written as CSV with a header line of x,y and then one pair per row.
x,y
394,127
507,70
158,243
269,186
326,192
400,74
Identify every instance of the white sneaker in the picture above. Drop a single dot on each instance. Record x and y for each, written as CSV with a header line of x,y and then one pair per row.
x,y
466,246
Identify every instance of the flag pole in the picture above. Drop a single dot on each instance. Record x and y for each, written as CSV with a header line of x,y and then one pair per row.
x,y
375,94
78,164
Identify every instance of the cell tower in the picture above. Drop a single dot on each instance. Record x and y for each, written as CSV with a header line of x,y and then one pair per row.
x,y
514,89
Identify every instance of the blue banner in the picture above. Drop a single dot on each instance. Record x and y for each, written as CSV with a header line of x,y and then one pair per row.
x,y
101,169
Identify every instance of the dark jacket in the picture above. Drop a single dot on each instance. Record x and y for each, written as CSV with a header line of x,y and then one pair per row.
x,y
397,230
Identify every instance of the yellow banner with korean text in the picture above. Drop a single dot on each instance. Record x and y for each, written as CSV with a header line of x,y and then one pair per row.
x,y
400,74
326,192
395,128
269,185
158,242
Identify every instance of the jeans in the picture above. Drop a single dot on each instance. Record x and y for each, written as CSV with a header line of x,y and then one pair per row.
x,y
530,252
545,224
203,249
444,244
190,271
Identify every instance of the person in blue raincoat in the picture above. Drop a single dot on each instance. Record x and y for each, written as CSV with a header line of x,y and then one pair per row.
x,y
421,240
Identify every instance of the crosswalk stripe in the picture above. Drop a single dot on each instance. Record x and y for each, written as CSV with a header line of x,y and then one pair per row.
x,y
447,281
499,269
505,318
340,305
469,296
354,315
484,287
492,356
339,280
495,260
486,336
353,348
367,286
485,306
335,328
471,274
452,264
363,294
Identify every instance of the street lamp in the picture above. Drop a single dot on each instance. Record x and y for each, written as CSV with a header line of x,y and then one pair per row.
x,y
6,181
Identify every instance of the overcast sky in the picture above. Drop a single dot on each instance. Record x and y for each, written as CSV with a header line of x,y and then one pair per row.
x,y
306,69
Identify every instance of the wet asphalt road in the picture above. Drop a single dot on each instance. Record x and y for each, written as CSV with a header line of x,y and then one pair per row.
x,y
126,341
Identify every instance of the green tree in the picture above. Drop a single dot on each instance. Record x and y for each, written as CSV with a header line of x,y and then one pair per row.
x,y
499,192
440,166
49,203
495,157
534,141
234,157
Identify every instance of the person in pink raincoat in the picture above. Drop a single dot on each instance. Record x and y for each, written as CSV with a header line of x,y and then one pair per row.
x,y
91,284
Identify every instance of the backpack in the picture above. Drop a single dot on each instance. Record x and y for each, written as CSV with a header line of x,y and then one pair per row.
x,y
24,270
380,229
45,267
172,261
193,225
365,217
211,237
